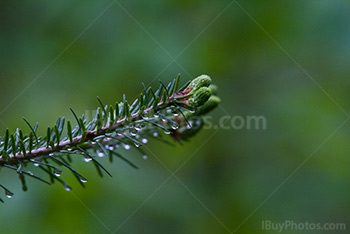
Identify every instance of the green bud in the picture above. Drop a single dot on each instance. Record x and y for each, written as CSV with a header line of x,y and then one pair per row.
x,y
199,97
210,105
200,81
214,89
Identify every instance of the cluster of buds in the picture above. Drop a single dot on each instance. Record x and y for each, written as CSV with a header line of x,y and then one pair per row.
x,y
200,97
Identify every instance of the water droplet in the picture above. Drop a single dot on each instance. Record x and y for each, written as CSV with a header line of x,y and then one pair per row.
x,y
57,172
51,154
138,127
67,187
136,144
167,132
8,194
126,146
87,159
99,153
174,112
82,179
132,131
144,140
144,157
145,117
156,115
36,164
189,125
109,147
155,134
174,126
163,119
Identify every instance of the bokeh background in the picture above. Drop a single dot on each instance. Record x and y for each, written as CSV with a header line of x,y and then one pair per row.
x,y
285,60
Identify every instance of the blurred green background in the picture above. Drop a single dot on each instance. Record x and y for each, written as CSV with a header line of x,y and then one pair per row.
x,y
293,69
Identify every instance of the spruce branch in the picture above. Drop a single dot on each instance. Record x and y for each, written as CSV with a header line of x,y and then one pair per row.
x,y
172,110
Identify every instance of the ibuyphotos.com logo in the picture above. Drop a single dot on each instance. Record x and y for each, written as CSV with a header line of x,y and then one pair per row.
x,y
289,225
